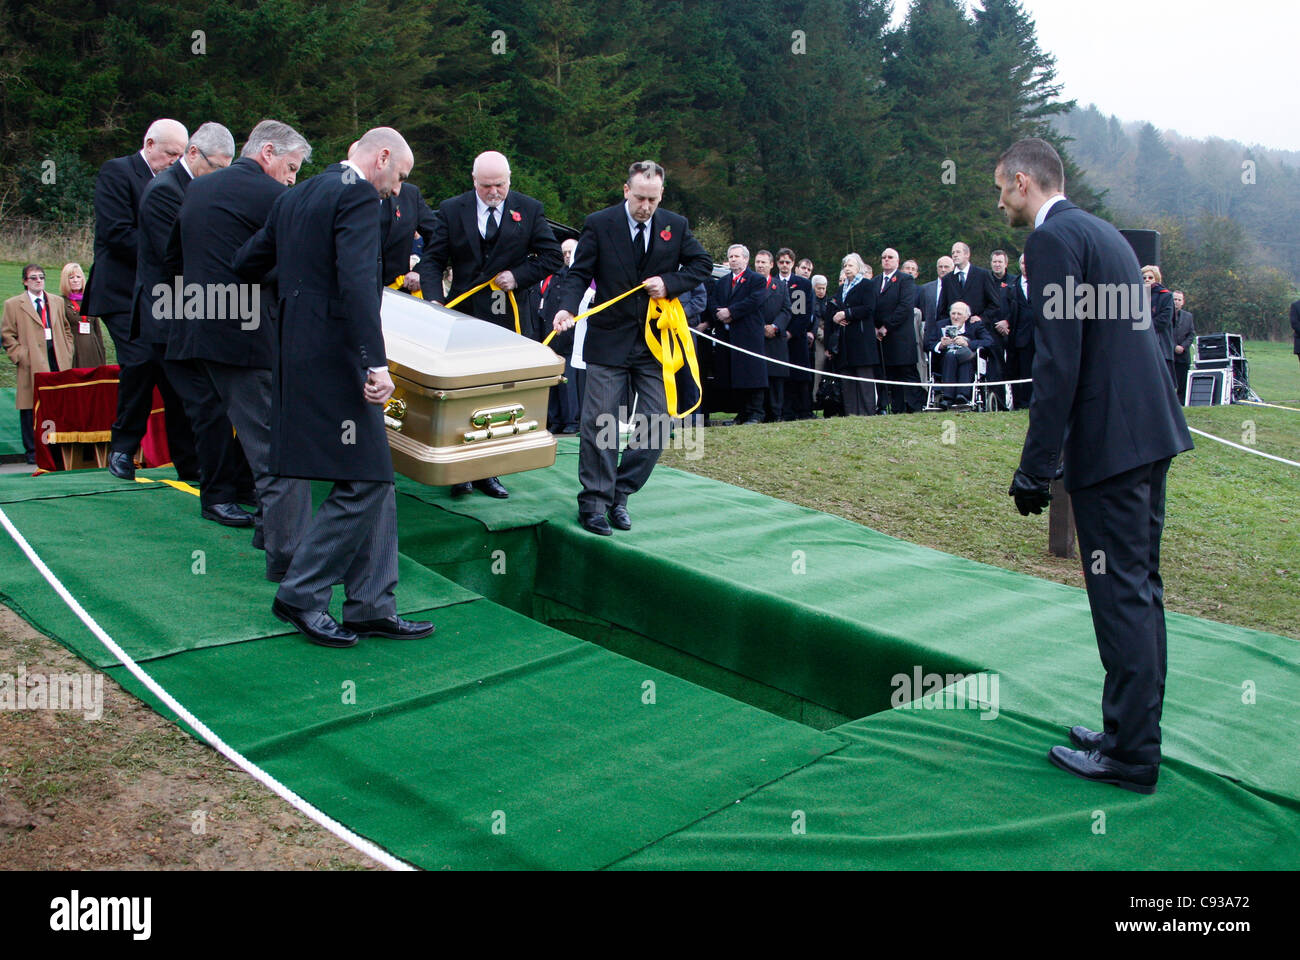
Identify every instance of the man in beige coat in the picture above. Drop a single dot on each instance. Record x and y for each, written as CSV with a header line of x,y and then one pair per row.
x,y
36,335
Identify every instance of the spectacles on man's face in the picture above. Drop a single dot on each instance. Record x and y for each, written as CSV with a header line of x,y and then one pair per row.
x,y
35,276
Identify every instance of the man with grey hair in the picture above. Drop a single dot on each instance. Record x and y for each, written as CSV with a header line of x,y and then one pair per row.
x,y
488,233
159,300
233,347
329,382
110,289
735,313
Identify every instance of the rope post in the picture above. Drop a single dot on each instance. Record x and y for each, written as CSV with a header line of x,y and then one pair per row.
x,y
1060,522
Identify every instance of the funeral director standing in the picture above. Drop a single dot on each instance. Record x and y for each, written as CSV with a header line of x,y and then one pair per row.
x,y
1101,392
621,247
329,383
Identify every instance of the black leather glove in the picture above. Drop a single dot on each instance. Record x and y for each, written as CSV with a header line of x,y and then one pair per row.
x,y
1031,493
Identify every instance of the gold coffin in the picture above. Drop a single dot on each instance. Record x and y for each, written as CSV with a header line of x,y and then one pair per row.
x,y
470,398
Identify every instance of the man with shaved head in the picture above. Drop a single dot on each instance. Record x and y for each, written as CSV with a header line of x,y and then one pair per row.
x,y
329,382
489,233
110,290
895,311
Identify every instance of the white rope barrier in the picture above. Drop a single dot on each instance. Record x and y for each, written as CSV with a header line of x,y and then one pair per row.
x,y
252,769
845,376
1238,446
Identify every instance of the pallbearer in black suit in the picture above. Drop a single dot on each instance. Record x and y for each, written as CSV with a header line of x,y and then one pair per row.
x,y
401,218
220,213
857,346
736,314
1101,393
1021,320
489,233
160,304
896,330
329,384
622,247
110,293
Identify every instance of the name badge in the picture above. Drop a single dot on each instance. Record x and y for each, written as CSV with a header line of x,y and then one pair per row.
x,y
83,326
49,334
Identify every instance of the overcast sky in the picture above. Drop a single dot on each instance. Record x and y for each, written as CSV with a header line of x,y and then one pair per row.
x,y
1226,69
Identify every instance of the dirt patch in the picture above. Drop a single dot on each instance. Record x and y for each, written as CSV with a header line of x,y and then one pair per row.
x,y
131,791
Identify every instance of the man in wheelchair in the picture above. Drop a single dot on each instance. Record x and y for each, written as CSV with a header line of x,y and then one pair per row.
x,y
953,356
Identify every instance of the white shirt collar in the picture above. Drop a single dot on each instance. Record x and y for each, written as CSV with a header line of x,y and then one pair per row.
x,y
360,172
146,164
1052,201
44,295
186,167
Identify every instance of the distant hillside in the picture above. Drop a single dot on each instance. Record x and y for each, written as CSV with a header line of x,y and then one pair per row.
x,y
1229,214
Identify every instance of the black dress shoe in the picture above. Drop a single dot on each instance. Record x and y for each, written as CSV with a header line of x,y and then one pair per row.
x,y
595,523
1099,768
461,489
618,517
1085,739
121,466
316,625
394,628
228,514
492,487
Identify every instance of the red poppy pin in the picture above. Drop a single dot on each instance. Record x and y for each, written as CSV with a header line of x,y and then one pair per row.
x,y
666,234
894,279
397,212
514,215
1004,283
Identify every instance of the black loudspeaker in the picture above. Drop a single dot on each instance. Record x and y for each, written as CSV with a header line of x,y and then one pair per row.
x,y
1146,244
1207,388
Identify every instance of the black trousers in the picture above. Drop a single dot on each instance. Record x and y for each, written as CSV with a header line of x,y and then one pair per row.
x,y
957,365
750,404
1180,377
798,400
904,399
29,436
1119,522
774,402
140,370
224,476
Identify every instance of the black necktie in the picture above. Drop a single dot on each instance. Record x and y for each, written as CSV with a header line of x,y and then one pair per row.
x,y
40,310
490,234
639,241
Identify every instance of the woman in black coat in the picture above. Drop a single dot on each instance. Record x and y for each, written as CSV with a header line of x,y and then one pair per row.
x,y
857,347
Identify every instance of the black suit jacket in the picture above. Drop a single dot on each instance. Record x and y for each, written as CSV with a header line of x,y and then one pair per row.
x,y
802,306
1101,389
1295,323
323,237
981,293
743,328
856,344
1184,335
1022,317
221,211
525,245
605,254
160,203
895,311
406,215
777,312
1162,318
111,283
926,300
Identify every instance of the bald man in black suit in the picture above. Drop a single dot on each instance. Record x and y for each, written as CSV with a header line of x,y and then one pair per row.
x,y
1103,402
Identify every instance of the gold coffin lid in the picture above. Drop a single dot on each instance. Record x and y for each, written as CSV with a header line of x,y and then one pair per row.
x,y
434,348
